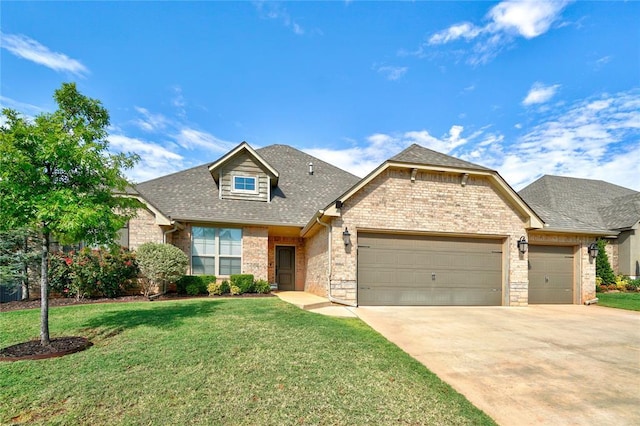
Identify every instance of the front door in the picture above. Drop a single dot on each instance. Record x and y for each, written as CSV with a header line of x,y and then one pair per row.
x,y
286,268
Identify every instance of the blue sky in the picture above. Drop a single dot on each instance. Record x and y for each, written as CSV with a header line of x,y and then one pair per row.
x,y
527,88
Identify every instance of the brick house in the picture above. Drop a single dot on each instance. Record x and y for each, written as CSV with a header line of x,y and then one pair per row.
x,y
424,228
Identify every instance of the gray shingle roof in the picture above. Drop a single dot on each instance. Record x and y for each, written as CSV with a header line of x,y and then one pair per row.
x,y
582,204
193,194
421,155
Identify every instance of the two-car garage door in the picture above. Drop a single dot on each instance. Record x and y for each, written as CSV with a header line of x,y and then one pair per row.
x,y
428,270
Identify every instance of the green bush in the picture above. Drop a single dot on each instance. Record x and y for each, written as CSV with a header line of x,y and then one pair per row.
x,y
194,284
102,272
235,290
243,281
603,267
262,286
633,285
184,281
160,264
218,289
196,287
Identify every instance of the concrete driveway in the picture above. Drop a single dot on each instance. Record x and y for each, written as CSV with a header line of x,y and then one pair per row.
x,y
540,365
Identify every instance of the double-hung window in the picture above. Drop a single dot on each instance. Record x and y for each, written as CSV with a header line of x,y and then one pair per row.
x,y
244,184
216,251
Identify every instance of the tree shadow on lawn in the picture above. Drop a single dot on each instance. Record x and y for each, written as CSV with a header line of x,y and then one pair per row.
x,y
163,315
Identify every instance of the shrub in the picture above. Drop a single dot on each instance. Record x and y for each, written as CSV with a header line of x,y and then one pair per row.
x,y
603,267
601,288
217,289
612,287
196,287
235,290
184,281
633,285
621,282
160,264
262,286
243,281
89,272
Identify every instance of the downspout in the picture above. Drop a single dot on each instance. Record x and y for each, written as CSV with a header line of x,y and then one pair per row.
x,y
165,233
331,298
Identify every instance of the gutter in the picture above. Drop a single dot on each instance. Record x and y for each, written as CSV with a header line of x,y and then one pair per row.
x,y
331,298
165,233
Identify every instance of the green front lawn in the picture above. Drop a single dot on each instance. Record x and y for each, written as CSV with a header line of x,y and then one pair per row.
x,y
629,301
247,361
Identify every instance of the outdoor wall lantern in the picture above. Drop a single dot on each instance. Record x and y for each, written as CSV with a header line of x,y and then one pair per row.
x,y
593,250
522,245
346,236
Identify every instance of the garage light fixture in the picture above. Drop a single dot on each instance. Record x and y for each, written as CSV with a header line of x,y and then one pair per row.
x,y
346,236
522,245
593,250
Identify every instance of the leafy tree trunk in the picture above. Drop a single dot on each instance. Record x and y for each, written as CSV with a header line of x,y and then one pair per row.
x,y
44,292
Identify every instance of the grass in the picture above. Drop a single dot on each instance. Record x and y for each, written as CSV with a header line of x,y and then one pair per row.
x,y
220,361
629,301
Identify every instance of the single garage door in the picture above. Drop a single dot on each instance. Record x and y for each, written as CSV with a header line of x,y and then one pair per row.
x,y
424,270
550,274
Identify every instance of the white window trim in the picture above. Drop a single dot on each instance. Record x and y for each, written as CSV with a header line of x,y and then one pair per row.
x,y
244,191
216,257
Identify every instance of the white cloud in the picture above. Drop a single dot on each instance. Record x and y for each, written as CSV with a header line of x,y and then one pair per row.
x,y
390,72
596,138
150,122
155,160
539,94
31,50
191,138
529,18
593,138
276,11
464,30
505,21
22,107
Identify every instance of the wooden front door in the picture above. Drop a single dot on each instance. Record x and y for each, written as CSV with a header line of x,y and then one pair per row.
x,y
286,268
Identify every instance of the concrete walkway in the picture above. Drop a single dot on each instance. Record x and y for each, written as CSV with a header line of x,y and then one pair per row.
x,y
311,302
539,365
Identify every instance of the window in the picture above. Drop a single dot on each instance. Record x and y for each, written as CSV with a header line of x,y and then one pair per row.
x,y
244,184
216,251
123,236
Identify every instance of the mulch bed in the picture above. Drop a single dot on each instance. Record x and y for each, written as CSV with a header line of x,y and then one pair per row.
x,y
34,350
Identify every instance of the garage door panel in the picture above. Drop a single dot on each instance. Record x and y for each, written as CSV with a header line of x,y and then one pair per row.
x,y
550,274
420,270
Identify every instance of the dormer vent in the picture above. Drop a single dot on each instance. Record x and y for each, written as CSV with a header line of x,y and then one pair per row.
x,y
310,169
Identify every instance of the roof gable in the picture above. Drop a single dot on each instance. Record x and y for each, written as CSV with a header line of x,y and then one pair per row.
x,y
417,157
215,167
192,195
416,154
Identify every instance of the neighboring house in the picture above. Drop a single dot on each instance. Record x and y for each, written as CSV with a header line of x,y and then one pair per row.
x,y
592,206
423,228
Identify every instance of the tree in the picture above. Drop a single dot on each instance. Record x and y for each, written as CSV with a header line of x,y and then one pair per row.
x,y
57,177
603,267
160,264
18,258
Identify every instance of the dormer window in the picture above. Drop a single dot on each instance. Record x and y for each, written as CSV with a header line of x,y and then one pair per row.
x,y
244,184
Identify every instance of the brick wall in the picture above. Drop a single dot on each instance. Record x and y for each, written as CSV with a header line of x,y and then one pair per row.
x,y
143,229
434,203
317,263
612,253
255,251
584,266
301,263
